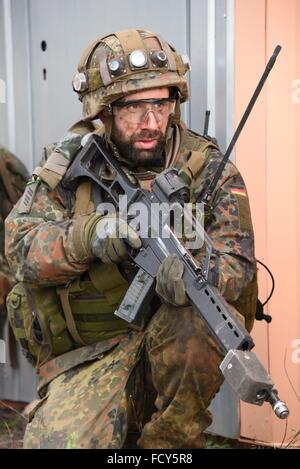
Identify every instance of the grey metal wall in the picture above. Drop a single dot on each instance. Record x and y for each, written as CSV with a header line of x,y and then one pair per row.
x,y
41,105
15,122
3,120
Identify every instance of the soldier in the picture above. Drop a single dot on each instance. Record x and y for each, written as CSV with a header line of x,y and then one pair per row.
x,y
13,177
101,381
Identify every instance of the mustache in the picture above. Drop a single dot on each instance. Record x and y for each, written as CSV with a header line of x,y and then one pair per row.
x,y
146,134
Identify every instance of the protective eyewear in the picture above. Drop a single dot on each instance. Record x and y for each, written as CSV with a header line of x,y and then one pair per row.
x,y
136,111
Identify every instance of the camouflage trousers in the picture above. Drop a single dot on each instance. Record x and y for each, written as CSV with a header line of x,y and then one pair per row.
x,y
157,383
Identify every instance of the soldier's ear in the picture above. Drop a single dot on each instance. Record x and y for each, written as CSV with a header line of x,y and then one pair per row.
x,y
105,114
102,117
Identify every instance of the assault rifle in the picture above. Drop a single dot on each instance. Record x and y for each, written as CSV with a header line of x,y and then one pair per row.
x,y
240,367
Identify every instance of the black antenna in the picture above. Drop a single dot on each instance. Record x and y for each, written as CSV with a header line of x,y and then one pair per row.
x,y
206,123
208,193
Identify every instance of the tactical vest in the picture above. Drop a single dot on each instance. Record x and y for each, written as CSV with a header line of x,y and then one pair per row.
x,y
51,321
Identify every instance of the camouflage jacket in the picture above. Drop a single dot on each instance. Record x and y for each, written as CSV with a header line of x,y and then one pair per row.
x,y
40,249
39,246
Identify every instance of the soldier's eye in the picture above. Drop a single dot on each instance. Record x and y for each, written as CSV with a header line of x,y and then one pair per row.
x,y
133,107
160,106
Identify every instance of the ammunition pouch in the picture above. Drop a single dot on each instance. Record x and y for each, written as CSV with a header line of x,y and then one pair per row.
x,y
38,322
50,321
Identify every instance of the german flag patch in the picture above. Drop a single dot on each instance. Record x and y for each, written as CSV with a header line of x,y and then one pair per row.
x,y
241,197
238,191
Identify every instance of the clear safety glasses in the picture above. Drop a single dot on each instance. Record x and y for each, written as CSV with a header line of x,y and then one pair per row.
x,y
137,111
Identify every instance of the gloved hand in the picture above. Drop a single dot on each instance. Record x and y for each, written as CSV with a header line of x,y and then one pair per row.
x,y
169,284
111,239
106,237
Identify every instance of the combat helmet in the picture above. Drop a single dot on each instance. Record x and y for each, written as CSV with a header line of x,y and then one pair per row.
x,y
125,62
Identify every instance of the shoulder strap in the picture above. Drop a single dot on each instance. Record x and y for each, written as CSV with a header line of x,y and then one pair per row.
x,y
83,202
56,165
63,154
194,153
63,293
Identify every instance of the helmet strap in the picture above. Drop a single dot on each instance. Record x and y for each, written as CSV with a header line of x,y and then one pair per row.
x,y
108,128
175,119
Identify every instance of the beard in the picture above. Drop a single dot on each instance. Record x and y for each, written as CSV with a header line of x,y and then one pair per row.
x,y
137,156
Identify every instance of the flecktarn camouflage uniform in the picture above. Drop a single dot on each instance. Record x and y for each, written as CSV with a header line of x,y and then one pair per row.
x,y
88,393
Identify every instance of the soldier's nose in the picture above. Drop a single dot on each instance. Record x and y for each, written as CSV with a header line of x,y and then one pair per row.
x,y
150,121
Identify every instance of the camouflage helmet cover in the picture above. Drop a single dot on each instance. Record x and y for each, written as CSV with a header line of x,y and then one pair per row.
x,y
126,62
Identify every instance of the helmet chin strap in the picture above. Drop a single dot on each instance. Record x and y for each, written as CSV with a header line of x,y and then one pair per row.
x,y
107,134
176,116
108,128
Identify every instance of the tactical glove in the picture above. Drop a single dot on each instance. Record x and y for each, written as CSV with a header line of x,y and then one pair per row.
x,y
169,284
111,239
106,237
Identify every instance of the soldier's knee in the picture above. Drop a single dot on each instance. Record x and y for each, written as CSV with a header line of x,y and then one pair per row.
x,y
183,328
175,321
169,320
